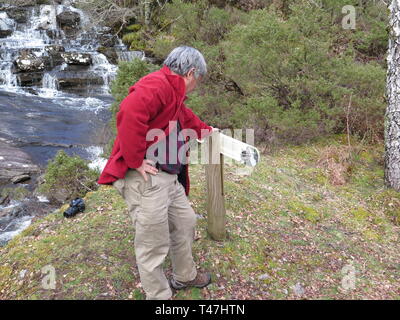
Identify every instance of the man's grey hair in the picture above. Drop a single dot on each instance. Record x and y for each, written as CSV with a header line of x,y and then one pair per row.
x,y
184,58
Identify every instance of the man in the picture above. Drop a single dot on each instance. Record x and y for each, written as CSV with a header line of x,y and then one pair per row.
x,y
156,193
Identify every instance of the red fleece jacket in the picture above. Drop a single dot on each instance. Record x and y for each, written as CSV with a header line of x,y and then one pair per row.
x,y
151,103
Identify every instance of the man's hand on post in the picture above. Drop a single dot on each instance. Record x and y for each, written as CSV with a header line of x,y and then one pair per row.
x,y
147,166
208,134
215,130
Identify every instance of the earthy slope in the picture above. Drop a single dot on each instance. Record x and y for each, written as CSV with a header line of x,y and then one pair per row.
x,y
294,224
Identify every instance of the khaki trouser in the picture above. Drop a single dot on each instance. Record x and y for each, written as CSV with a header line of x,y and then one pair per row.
x,y
164,222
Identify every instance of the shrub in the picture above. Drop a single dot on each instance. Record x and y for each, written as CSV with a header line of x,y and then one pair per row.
x,y
67,177
295,88
195,24
289,70
371,38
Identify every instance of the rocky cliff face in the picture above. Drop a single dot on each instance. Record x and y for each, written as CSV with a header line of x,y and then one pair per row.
x,y
15,165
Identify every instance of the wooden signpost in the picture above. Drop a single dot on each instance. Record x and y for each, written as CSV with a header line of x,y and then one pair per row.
x,y
219,145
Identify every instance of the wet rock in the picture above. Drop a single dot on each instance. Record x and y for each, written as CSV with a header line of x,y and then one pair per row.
x,y
31,91
78,79
74,68
69,21
5,33
49,63
4,200
45,25
77,58
3,213
30,79
29,62
20,178
19,14
54,52
14,162
68,17
106,39
20,211
16,212
54,49
40,180
44,2
6,25
53,34
110,54
50,144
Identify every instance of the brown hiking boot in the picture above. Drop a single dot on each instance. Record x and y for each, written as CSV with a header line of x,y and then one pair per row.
x,y
202,280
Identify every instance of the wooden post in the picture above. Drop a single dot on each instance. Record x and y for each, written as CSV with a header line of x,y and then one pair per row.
x,y
216,214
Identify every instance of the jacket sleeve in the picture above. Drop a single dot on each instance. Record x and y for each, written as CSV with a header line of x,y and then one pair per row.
x,y
193,122
133,117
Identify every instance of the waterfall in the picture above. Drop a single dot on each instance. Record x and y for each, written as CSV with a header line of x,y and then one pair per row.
x,y
104,68
55,49
54,92
49,82
49,85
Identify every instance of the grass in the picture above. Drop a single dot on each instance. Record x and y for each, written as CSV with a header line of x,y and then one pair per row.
x,y
288,226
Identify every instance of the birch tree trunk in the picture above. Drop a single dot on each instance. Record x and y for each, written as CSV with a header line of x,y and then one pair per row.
x,y
392,118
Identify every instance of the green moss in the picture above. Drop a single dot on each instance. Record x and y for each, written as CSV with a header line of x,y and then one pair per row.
x,y
304,211
317,197
360,214
315,175
371,235
5,273
321,178
134,27
69,176
389,200
367,156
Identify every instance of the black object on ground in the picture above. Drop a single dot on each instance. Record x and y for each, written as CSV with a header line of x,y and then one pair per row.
x,y
76,205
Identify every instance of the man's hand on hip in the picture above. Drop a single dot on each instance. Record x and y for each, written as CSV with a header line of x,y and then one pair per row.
x,y
147,166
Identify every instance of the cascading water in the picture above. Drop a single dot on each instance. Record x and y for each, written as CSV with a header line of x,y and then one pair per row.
x,y
52,35
54,90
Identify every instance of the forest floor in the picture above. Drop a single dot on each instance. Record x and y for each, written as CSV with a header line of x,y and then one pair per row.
x,y
310,222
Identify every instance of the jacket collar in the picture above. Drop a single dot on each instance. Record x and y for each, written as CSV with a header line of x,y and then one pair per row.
x,y
176,82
